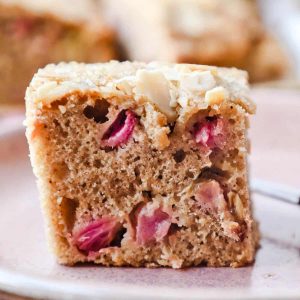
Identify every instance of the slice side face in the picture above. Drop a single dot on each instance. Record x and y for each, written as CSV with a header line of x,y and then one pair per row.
x,y
110,196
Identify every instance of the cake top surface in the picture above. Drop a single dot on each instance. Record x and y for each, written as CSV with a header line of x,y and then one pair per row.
x,y
166,85
83,11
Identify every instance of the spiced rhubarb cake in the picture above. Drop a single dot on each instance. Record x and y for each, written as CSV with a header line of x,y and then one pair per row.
x,y
143,164
34,33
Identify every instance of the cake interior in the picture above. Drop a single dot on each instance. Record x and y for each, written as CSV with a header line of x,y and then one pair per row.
x,y
86,180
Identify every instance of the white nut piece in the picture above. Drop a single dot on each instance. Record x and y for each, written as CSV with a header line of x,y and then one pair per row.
x,y
236,202
231,229
44,89
59,200
50,91
125,84
197,81
62,108
216,96
154,86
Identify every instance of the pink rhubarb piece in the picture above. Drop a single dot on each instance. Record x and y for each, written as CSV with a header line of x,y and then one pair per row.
x,y
210,196
120,130
96,235
20,28
152,225
211,133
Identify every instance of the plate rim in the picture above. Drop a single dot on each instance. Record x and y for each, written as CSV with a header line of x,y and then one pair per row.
x,y
32,286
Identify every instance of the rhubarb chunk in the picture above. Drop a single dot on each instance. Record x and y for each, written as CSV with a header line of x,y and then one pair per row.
x,y
96,235
152,225
210,196
120,130
210,133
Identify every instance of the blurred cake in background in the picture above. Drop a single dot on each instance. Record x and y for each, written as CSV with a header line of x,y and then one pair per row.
x,y
34,33
214,32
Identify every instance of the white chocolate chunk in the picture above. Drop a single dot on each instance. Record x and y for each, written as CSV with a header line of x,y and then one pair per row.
x,y
155,87
216,95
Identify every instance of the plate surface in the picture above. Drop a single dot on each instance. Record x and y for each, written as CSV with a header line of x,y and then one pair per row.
x,y
26,267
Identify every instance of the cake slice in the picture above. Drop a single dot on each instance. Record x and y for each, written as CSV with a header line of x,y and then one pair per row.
x,y
35,33
214,32
143,164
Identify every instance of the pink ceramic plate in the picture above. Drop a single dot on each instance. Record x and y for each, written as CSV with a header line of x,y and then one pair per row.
x,y
26,267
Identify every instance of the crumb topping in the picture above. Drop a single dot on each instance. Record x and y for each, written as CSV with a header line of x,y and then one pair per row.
x,y
170,87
